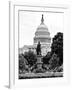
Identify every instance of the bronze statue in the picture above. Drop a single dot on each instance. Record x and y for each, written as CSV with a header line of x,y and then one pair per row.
x,y
38,49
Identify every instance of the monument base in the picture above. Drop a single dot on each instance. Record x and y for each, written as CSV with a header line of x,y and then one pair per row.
x,y
39,64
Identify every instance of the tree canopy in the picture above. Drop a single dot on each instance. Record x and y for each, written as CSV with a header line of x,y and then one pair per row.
x,y
30,57
57,46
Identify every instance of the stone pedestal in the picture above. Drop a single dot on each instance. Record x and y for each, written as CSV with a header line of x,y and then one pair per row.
x,y
39,62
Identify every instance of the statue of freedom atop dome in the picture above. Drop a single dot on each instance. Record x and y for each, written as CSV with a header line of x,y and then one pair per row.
x,y
38,49
42,20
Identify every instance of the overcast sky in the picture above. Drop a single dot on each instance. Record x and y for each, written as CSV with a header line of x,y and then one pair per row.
x,y
29,21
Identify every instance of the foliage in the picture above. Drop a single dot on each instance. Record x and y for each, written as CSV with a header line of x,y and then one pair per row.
x,y
53,63
30,57
57,46
46,58
22,63
60,68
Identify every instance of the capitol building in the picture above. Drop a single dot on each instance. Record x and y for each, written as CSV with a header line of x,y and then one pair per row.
x,y
42,35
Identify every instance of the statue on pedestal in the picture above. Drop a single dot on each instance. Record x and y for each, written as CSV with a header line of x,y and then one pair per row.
x,y
39,59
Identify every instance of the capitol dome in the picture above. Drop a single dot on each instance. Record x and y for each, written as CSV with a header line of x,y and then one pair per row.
x,y
42,34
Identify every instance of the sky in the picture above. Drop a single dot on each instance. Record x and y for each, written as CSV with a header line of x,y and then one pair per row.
x,y
29,21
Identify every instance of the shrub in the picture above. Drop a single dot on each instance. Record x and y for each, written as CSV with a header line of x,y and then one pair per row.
x,y
30,57
46,58
53,63
22,63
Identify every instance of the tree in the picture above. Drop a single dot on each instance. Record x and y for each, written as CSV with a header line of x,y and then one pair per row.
x,y
57,46
22,63
53,63
46,58
30,57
